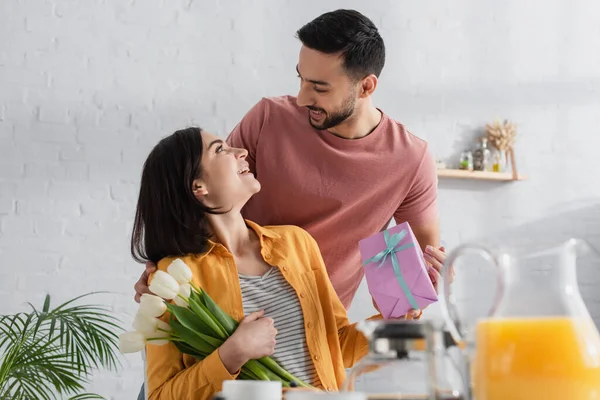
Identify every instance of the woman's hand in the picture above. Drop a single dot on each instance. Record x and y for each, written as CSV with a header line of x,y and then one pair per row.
x,y
253,339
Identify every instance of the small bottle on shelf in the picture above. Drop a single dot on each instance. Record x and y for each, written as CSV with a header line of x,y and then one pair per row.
x,y
497,161
482,156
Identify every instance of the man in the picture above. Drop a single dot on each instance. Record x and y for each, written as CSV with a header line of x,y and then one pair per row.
x,y
331,162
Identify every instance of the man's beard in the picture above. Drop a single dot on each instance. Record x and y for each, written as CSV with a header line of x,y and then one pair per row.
x,y
335,118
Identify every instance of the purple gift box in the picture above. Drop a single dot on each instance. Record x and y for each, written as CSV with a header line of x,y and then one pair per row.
x,y
396,273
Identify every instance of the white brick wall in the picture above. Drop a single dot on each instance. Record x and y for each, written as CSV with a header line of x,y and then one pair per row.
x,y
87,89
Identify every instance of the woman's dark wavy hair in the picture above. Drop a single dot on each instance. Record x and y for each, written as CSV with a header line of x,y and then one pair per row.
x,y
169,220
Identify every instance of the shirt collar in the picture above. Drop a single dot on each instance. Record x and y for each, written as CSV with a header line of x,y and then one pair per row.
x,y
261,231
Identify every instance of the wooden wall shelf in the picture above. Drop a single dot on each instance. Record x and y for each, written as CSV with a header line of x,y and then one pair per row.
x,y
479,175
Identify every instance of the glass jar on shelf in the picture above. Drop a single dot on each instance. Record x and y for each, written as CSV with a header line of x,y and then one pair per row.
x,y
466,161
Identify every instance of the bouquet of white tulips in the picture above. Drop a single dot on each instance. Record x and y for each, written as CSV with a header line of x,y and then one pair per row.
x,y
197,325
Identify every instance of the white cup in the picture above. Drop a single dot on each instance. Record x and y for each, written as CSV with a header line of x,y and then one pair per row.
x,y
313,395
251,390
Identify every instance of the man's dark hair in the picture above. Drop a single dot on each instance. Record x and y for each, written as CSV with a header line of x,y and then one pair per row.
x,y
169,220
352,34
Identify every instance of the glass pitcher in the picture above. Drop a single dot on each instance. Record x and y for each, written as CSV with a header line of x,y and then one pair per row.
x,y
538,341
407,360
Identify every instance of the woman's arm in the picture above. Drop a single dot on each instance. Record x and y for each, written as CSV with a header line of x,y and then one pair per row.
x,y
353,343
172,376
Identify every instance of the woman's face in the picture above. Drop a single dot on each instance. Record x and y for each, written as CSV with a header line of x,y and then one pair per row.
x,y
226,180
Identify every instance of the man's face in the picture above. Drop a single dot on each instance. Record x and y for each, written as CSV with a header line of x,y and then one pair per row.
x,y
325,88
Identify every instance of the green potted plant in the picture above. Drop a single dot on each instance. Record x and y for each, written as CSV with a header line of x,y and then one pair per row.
x,y
50,354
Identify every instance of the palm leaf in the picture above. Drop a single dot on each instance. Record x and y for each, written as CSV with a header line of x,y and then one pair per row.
x,y
29,385
90,332
48,353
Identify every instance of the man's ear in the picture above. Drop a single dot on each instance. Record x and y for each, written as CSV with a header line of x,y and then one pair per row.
x,y
199,189
368,86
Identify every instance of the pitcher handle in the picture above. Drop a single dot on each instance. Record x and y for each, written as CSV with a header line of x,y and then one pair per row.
x,y
447,304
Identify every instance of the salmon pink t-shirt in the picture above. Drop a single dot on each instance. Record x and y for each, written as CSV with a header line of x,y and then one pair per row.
x,y
339,190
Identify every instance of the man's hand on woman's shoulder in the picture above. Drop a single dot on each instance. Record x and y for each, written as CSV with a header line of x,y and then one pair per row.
x,y
141,286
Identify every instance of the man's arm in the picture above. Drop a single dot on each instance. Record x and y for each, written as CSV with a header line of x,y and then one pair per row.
x,y
427,234
419,208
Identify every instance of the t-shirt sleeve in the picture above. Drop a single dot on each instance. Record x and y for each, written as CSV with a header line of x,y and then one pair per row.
x,y
420,204
247,133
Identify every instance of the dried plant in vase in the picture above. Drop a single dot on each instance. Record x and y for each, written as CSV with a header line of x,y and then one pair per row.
x,y
502,136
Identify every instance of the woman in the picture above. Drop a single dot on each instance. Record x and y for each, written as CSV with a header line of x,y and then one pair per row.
x,y
272,279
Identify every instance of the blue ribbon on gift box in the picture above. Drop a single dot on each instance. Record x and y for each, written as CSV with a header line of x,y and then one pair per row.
x,y
391,248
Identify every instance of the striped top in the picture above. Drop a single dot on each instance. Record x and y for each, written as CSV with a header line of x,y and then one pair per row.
x,y
333,342
272,293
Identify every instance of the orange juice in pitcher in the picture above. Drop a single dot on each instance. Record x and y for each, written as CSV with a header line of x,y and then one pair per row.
x,y
539,341
545,358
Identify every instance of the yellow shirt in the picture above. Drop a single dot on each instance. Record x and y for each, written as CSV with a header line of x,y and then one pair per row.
x,y
334,344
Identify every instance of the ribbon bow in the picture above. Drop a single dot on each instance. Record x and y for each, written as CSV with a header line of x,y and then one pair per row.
x,y
391,243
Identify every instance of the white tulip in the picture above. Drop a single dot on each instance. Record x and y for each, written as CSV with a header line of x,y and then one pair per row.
x,y
131,342
152,306
162,331
180,302
150,327
163,326
164,285
180,271
184,290
144,324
